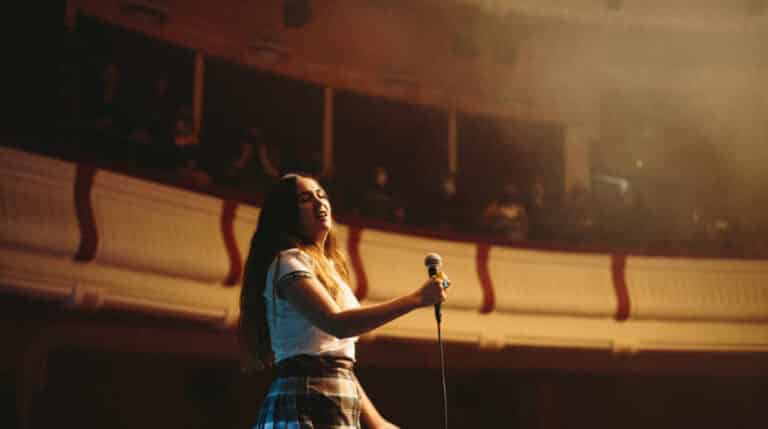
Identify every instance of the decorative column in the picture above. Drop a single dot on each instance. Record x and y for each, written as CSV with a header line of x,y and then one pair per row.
x,y
452,141
576,155
199,87
327,132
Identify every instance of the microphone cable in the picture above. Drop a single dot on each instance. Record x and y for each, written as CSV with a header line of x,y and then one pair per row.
x,y
432,261
442,375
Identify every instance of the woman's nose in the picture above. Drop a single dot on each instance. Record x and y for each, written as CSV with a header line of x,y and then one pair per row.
x,y
316,200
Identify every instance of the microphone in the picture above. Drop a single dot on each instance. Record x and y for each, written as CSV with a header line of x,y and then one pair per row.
x,y
433,261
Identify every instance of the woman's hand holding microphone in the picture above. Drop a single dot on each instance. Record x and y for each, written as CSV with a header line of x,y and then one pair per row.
x,y
433,291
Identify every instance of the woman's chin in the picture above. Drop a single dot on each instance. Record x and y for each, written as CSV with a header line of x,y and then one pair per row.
x,y
326,225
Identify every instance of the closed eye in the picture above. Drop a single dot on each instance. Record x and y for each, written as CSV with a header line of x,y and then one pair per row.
x,y
307,196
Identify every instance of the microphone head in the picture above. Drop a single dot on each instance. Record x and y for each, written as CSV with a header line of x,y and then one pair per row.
x,y
433,260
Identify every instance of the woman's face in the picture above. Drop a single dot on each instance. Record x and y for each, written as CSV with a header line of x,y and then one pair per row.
x,y
314,210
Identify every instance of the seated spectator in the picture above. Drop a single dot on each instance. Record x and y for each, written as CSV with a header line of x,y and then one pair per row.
x,y
449,205
578,220
720,233
506,216
185,139
106,120
379,201
255,161
541,216
155,127
187,150
268,156
104,104
624,219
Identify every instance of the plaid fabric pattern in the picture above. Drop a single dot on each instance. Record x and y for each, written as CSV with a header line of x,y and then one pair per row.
x,y
327,400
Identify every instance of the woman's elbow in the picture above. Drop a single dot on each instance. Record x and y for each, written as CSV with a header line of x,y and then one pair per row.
x,y
337,328
338,332
345,332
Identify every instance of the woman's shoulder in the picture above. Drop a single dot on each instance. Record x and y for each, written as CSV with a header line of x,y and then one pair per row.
x,y
293,256
293,252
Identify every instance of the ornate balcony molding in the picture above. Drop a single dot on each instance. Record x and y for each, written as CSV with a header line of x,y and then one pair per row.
x,y
163,251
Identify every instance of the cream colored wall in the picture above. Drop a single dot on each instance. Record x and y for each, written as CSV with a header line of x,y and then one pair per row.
x,y
37,211
159,249
689,289
161,252
577,162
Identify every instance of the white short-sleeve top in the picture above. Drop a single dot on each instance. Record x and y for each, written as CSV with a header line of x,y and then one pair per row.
x,y
292,334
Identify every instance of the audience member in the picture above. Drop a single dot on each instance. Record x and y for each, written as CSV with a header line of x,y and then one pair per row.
x,y
187,150
255,163
450,206
578,221
106,118
104,103
542,216
106,108
156,128
506,215
379,201
185,139
95,107
624,219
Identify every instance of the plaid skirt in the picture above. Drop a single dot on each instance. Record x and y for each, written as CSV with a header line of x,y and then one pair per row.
x,y
312,392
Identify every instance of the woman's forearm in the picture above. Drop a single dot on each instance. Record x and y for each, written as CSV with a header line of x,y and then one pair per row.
x,y
315,303
357,321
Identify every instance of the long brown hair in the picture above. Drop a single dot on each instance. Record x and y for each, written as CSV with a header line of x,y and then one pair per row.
x,y
278,230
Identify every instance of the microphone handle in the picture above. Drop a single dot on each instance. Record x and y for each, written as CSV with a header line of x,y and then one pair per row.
x,y
432,271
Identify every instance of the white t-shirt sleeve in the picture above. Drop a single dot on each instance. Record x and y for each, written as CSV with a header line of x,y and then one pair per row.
x,y
293,264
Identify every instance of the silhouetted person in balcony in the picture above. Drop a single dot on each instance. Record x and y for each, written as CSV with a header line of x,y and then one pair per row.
x,y
155,128
254,163
104,110
187,150
105,119
185,139
543,215
506,216
379,201
578,219
450,206
624,220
